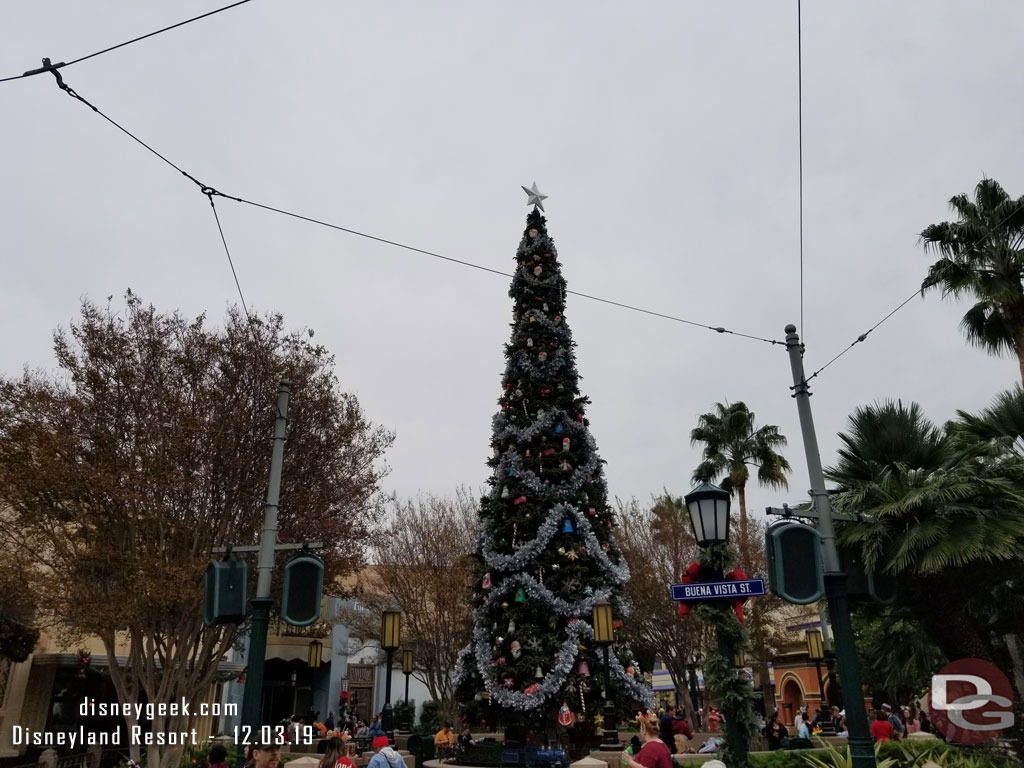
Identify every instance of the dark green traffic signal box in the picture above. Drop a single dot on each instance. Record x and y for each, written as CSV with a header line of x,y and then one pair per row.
x,y
794,562
224,592
303,590
863,585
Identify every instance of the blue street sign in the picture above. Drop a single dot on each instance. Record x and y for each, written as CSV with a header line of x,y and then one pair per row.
x,y
711,590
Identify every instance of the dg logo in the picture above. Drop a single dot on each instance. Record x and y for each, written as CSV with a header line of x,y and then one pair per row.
x,y
970,701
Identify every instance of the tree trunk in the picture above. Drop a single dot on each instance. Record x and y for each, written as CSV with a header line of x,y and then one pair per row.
x,y
741,493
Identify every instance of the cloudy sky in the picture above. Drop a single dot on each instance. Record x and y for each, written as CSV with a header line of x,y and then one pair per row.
x,y
666,138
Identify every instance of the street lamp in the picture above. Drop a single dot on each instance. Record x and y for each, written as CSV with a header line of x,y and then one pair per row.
x,y
708,506
407,669
316,650
389,634
604,636
816,653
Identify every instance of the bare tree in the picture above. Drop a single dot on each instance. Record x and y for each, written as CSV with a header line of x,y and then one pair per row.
x,y
423,566
658,545
151,446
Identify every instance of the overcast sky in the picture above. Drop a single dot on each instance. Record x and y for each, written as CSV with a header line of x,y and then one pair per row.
x,y
666,138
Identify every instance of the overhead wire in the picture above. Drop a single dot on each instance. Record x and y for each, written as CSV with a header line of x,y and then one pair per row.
x,y
47,67
904,303
211,192
800,147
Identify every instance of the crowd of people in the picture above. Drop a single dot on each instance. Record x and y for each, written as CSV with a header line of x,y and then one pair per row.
x,y
886,725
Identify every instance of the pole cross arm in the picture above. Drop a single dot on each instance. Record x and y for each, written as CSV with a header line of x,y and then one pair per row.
x,y
277,547
806,511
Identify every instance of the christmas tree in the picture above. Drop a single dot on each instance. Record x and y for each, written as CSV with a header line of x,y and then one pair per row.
x,y
545,548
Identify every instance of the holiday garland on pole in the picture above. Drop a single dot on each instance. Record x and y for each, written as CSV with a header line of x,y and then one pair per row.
x,y
545,550
733,691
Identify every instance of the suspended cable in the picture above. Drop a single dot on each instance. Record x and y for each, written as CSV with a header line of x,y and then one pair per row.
x,y
47,67
211,192
800,144
864,335
906,301
249,318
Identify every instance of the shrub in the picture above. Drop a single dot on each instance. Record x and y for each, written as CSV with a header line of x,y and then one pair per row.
x,y
430,720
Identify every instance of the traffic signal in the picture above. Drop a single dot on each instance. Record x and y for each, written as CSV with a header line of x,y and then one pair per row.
x,y
303,590
863,585
224,592
794,562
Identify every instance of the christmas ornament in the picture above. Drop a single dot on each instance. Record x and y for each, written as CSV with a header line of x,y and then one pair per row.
x,y
504,492
564,715
558,428
534,197
539,673
565,443
583,669
537,270
567,526
520,595
517,649
542,356
534,645
532,689
487,580
571,554
511,626
529,342
591,511
520,500
509,682
500,660
564,466
549,452
533,233
545,303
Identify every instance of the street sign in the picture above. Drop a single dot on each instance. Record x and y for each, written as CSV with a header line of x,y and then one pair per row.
x,y
711,590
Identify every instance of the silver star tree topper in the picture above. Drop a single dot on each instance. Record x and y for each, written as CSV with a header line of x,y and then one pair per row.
x,y
535,197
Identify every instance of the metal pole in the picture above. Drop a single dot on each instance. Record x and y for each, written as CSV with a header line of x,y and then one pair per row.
x,y
611,733
388,714
825,722
693,697
861,744
253,691
737,741
408,711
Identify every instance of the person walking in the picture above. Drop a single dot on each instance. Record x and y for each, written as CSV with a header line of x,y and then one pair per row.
x,y
881,729
335,756
654,753
384,756
218,757
665,725
376,727
898,729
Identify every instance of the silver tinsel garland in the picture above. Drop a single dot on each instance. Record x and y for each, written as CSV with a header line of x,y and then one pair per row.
x,y
619,573
553,681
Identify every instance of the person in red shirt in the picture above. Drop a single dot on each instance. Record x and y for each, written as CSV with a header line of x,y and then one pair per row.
x,y
654,753
881,730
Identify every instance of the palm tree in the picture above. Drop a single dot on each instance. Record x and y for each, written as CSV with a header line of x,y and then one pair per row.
x,y
731,445
940,509
981,256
